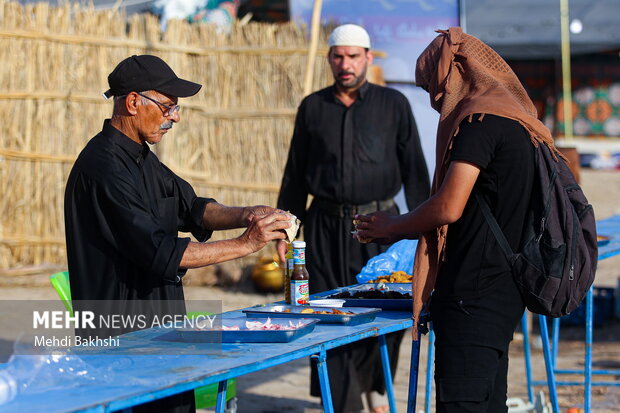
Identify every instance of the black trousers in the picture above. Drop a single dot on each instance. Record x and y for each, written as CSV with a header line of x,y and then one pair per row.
x,y
471,379
471,349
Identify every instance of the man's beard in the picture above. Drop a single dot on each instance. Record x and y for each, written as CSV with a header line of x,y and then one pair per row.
x,y
349,84
352,83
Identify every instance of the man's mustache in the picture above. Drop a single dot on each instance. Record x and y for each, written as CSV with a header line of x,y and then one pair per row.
x,y
166,125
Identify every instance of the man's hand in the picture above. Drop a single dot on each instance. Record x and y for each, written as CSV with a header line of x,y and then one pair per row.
x,y
252,213
281,248
263,229
376,226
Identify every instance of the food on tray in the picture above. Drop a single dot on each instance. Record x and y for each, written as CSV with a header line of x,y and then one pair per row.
x,y
395,277
267,325
333,311
381,294
362,240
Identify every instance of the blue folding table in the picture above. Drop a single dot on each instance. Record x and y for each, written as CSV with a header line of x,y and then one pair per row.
x,y
154,376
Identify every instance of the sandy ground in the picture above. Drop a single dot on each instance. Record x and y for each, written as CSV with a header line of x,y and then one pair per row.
x,y
285,388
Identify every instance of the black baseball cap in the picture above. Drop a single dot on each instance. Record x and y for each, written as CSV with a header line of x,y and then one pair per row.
x,y
147,72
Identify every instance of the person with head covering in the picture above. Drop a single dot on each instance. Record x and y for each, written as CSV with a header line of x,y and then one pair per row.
x,y
124,209
486,138
355,145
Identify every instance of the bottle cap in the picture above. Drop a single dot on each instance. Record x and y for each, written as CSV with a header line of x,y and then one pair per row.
x,y
299,244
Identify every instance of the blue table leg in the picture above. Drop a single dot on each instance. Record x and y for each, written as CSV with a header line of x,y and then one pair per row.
x,y
387,372
588,366
553,391
528,357
413,374
430,358
220,405
555,332
326,393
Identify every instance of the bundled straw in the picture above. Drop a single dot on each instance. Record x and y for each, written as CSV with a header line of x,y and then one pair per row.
x,y
232,141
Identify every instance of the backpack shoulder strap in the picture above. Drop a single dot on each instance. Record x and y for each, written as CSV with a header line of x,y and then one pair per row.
x,y
497,231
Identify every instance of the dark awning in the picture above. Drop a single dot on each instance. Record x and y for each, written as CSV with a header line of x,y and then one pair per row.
x,y
530,29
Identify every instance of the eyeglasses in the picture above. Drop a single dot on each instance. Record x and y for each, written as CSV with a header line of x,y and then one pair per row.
x,y
167,110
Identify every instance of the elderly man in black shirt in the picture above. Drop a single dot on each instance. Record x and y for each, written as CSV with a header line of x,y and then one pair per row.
x,y
124,208
354,146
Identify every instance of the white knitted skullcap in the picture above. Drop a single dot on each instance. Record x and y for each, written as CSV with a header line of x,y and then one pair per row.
x,y
349,35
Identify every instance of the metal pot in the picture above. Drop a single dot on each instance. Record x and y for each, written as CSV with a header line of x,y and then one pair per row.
x,y
268,275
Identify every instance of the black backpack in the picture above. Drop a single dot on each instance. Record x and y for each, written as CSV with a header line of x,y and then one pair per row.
x,y
557,260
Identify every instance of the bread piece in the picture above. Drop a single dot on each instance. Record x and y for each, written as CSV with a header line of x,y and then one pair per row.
x,y
291,232
361,240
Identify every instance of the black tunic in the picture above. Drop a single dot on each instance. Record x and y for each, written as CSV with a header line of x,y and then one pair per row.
x,y
123,211
350,155
475,269
476,304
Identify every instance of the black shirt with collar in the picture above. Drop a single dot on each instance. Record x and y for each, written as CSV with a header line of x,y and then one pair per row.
x,y
354,155
123,211
350,155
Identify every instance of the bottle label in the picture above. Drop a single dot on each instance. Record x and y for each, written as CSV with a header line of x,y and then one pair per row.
x,y
299,256
299,292
288,271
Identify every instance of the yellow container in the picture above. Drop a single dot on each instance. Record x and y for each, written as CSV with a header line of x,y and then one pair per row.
x,y
268,275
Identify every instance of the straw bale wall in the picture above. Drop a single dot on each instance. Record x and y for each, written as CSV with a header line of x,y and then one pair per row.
x,y
231,143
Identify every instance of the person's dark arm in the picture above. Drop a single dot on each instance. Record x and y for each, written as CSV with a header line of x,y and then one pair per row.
x,y
443,208
472,151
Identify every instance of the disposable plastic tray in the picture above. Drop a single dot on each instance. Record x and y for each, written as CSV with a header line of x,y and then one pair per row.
x,y
359,316
244,335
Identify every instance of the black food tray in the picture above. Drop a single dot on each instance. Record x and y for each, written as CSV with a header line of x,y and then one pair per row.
x,y
395,296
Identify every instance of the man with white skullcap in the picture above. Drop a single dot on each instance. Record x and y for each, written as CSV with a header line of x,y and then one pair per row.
x,y
355,145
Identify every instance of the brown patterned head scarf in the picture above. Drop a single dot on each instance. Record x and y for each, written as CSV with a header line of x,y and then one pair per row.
x,y
463,76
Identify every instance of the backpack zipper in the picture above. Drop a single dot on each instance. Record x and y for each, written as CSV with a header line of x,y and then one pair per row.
x,y
571,273
584,211
460,303
543,220
542,229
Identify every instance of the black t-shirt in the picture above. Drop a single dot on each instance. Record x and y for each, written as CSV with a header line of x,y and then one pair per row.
x,y
503,151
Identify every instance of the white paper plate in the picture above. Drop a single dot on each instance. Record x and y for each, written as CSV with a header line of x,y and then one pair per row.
x,y
327,303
